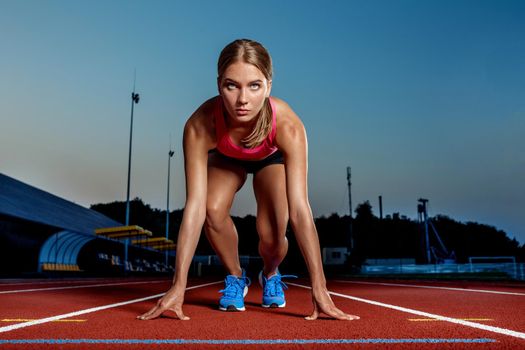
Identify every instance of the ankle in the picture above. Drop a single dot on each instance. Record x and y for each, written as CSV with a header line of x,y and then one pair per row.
x,y
271,273
236,272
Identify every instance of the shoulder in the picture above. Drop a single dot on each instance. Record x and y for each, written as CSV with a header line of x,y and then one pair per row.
x,y
202,120
287,120
201,124
289,126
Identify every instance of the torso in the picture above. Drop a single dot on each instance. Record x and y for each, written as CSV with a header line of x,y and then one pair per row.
x,y
202,126
229,146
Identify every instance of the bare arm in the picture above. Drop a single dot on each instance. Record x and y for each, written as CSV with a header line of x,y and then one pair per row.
x,y
195,165
291,140
196,142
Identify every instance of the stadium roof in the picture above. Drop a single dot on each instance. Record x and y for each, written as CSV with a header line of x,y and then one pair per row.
x,y
26,202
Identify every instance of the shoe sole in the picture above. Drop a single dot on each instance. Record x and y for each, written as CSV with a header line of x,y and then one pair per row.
x,y
233,308
273,305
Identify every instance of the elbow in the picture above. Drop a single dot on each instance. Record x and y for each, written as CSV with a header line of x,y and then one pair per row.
x,y
294,218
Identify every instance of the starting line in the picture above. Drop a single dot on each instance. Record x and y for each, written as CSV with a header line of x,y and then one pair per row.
x,y
245,341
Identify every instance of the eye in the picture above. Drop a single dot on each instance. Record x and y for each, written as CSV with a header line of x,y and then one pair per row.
x,y
230,86
255,86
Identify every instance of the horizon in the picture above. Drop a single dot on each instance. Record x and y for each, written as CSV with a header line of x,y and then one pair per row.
x,y
420,99
385,217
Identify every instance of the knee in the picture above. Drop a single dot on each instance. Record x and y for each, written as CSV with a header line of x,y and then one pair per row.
x,y
215,217
273,246
272,237
272,243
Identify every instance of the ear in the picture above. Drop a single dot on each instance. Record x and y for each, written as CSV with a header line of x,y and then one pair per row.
x,y
269,88
219,85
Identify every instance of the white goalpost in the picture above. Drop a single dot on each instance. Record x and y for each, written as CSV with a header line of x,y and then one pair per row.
x,y
505,264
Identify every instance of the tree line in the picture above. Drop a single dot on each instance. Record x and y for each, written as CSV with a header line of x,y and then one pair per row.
x,y
395,236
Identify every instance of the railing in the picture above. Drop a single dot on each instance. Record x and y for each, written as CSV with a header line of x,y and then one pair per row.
x,y
200,261
513,270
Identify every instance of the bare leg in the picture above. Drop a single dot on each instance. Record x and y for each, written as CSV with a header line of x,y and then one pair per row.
x,y
272,216
224,180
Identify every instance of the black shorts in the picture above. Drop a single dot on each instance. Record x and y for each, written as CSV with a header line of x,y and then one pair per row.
x,y
250,166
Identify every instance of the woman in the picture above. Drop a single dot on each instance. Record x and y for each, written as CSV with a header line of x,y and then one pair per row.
x,y
243,131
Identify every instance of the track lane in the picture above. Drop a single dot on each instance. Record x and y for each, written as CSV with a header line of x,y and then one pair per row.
x,y
502,309
43,320
207,322
377,324
461,322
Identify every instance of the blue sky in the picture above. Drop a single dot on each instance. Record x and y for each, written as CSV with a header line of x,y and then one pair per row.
x,y
420,98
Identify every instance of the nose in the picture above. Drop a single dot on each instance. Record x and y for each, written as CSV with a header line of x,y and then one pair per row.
x,y
241,99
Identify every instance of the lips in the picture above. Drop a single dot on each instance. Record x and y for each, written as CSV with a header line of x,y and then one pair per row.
x,y
242,111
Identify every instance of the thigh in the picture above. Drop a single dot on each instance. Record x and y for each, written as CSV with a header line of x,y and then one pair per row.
x,y
224,180
269,185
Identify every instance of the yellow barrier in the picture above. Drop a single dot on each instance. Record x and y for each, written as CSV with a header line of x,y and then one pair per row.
x,y
151,241
169,246
60,267
108,230
122,231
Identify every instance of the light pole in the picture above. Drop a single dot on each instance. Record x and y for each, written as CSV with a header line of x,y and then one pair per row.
x,y
350,233
134,99
170,154
423,218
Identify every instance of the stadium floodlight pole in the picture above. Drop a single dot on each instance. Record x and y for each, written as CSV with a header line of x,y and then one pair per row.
x,y
350,233
134,99
424,202
170,154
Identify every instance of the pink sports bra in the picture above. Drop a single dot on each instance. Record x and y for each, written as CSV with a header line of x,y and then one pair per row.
x,y
226,146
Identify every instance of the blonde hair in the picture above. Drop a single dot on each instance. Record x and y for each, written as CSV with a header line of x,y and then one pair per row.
x,y
254,53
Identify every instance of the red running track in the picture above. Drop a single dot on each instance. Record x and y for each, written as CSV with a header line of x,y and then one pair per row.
x,y
394,315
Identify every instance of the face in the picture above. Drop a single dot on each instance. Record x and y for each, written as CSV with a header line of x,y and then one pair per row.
x,y
243,88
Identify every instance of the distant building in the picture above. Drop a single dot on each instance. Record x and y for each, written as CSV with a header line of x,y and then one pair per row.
x,y
40,231
334,255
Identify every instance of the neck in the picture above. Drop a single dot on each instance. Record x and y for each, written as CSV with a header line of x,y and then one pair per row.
x,y
246,126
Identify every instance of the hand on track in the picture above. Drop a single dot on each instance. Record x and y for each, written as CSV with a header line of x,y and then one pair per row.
x,y
323,303
171,301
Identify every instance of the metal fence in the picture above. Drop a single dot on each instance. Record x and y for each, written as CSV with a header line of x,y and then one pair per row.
x,y
513,270
204,261
394,266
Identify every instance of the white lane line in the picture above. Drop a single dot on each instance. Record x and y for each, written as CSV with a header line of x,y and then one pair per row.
x,y
493,329
434,320
87,311
80,286
31,319
433,287
4,282
7,282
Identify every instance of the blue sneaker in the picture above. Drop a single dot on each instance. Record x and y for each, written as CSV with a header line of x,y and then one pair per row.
x,y
235,289
273,290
